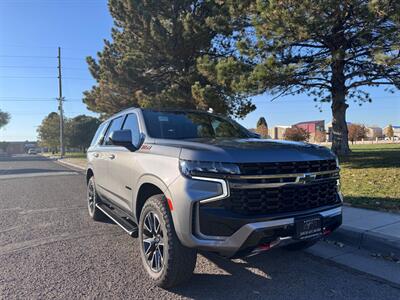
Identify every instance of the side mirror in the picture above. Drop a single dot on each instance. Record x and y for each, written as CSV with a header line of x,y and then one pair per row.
x,y
122,138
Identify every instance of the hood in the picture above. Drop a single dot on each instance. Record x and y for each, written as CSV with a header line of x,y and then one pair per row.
x,y
247,150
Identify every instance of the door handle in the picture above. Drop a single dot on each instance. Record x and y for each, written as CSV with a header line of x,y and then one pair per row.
x,y
111,156
95,154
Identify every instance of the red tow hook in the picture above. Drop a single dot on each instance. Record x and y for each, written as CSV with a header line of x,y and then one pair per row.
x,y
327,231
264,247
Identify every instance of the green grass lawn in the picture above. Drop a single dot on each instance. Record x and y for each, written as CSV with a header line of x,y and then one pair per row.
x,y
370,176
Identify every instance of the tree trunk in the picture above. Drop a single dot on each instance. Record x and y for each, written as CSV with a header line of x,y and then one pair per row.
x,y
340,141
340,144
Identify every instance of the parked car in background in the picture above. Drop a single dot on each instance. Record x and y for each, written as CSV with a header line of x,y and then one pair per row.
x,y
183,181
32,151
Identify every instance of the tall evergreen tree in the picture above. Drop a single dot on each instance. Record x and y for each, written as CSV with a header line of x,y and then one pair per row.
x,y
151,59
329,49
262,127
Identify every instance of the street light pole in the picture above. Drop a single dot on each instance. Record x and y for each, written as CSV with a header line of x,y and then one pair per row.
x,y
60,105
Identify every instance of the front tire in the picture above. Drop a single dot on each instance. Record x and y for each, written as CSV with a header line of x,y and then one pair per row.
x,y
92,199
165,259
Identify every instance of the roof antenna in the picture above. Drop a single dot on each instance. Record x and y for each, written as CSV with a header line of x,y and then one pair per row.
x,y
210,110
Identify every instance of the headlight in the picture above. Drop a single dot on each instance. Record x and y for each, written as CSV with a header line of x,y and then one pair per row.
x,y
199,168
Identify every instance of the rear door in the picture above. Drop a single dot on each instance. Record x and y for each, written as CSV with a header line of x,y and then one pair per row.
x,y
104,157
95,157
124,168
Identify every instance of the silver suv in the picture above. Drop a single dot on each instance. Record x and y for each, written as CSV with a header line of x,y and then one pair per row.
x,y
183,180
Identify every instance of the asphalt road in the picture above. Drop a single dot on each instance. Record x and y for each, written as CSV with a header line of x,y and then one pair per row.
x,y
50,248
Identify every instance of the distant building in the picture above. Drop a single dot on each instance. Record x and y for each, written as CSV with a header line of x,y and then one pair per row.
x,y
396,130
312,127
374,132
20,147
278,131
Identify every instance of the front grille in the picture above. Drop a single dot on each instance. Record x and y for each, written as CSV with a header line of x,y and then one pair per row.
x,y
284,199
277,168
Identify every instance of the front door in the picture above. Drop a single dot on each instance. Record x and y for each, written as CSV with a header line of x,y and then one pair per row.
x,y
123,167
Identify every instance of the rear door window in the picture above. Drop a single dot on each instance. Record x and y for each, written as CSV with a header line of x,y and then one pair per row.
x,y
98,137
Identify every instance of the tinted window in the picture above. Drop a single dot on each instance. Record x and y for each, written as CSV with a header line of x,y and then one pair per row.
x,y
190,125
115,125
131,123
99,134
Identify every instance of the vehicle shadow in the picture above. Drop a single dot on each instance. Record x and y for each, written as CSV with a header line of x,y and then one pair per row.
x,y
28,170
376,158
275,274
24,158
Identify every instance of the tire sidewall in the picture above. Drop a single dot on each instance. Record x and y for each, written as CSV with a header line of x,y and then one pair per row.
x,y
91,182
151,207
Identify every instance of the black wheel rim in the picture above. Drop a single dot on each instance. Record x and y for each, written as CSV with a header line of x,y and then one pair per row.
x,y
153,242
91,197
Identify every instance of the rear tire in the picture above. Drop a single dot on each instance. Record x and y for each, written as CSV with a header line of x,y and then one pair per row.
x,y
92,198
167,262
300,245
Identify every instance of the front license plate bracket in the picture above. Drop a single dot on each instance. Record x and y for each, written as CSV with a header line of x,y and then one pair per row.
x,y
308,228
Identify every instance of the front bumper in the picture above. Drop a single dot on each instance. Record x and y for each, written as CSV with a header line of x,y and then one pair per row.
x,y
246,234
271,232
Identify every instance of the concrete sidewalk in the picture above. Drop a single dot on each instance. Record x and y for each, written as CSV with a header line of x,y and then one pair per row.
x,y
371,230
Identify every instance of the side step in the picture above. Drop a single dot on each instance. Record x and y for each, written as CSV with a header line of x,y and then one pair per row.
x,y
119,218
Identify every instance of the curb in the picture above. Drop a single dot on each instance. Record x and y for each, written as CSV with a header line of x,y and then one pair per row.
x,y
364,239
68,164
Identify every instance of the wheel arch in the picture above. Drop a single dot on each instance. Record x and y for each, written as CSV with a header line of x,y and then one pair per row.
x,y
89,174
148,186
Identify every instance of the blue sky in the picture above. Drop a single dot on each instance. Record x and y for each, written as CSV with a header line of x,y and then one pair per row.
x,y
31,31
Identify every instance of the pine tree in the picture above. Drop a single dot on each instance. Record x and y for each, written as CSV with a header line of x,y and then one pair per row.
x,y
151,59
262,128
329,49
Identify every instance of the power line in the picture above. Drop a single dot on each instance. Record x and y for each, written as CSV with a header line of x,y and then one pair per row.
x,y
26,113
44,77
30,46
31,77
27,67
40,56
42,67
29,98
36,100
28,56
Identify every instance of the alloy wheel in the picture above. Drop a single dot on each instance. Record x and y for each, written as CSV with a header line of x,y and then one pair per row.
x,y
153,242
91,197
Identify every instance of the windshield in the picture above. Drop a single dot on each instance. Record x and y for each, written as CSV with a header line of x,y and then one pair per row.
x,y
190,125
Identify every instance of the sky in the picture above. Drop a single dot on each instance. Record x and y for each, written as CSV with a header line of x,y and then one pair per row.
x,y
31,31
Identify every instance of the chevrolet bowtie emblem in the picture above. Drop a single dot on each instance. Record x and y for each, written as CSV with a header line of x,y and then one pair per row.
x,y
306,178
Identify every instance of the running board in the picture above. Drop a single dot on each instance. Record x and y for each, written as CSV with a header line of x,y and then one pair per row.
x,y
127,225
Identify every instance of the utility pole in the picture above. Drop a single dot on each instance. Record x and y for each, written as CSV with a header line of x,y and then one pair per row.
x,y
60,105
